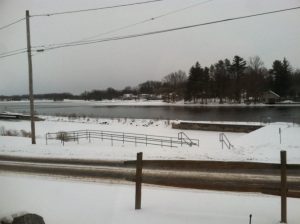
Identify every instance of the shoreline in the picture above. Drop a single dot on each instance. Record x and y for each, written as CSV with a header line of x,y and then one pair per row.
x,y
152,103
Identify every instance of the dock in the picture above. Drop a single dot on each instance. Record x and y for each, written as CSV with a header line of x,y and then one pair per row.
x,y
221,127
16,116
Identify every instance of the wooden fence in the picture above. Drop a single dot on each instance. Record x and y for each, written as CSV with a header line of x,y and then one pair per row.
x,y
281,187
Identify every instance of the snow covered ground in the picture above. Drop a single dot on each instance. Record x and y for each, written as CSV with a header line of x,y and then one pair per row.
x,y
72,202
260,145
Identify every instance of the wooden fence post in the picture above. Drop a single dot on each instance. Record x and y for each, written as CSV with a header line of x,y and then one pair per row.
x,y
138,180
283,187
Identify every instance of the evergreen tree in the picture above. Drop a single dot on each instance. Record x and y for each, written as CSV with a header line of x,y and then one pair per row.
x,y
197,83
237,68
192,89
281,72
221,79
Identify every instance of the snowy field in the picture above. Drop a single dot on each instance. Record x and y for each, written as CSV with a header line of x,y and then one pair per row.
x,y
261,145
72,202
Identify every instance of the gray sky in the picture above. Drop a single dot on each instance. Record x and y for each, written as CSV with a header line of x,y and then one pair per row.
x,y
128,62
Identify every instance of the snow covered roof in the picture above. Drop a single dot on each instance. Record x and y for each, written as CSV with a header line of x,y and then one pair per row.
x,y
271,94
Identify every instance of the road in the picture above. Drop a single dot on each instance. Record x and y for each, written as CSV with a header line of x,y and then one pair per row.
x,y
262,181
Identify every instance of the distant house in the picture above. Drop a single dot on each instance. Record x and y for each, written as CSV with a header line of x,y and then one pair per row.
x,y
270,97
129,97
149,97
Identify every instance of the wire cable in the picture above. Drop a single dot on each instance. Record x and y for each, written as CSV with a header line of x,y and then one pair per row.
x,y
13,51
168,30
94,9
12,23
147,20
131,25
9,55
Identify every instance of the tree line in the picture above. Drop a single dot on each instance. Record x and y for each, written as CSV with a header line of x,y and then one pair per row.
x,y
231,81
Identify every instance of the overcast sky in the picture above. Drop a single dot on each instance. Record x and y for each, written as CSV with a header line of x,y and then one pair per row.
x,y
129,62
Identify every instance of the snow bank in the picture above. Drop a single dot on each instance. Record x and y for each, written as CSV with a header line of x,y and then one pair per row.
x,y
261,145
264,144
73,202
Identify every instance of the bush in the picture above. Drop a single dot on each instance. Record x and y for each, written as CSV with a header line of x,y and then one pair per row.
x,y
22,133
25,134
64,136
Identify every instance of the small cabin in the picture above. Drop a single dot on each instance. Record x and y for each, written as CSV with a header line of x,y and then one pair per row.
x,y
270,97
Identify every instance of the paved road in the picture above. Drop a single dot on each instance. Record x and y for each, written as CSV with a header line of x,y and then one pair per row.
x,y
241,181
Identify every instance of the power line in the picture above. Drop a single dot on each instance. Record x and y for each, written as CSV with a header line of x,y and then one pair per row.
x,y
94,9
12,54
13,51
131,25
167,30
12,23
143,21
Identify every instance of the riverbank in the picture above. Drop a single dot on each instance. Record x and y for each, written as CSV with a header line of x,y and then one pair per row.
x,y
262,145
151,103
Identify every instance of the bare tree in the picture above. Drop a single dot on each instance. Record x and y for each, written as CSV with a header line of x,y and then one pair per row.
x,y
254,81
175,78
256,64
174,85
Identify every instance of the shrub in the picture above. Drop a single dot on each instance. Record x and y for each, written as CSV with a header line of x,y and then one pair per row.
x,y
22,133
64,136
25,134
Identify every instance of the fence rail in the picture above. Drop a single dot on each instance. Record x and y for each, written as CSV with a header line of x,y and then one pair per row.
x,y
284,187
163,141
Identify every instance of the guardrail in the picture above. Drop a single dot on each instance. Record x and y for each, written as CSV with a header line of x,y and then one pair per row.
x,y
184,139
224,140
281,187
163,141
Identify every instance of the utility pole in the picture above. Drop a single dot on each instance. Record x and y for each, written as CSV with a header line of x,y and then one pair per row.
x,y
30,78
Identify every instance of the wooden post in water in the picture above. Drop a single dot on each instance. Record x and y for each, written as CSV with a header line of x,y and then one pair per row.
x,y
138,180
283,187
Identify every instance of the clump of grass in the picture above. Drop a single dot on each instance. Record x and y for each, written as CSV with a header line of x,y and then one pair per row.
x,y
26,134
73,116
21,133
64,136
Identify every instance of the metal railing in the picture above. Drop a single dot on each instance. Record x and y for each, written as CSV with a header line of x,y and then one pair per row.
x,y
225,141
184,139
66,136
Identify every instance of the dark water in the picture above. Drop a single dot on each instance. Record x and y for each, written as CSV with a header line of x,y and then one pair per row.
x,y
249,113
